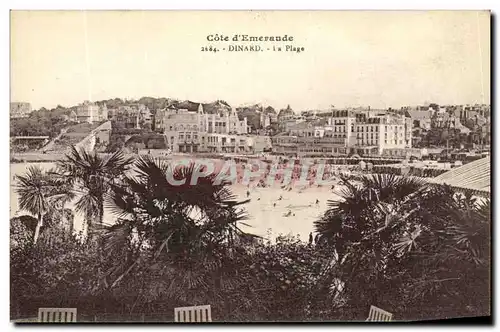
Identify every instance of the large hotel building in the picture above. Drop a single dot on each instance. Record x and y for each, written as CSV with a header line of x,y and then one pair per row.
x,y
362,132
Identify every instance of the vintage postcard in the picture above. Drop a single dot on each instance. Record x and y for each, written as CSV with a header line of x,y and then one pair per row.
x,y
250,166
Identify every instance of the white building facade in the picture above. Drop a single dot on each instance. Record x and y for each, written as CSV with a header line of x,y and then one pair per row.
x,y
367,133
191,132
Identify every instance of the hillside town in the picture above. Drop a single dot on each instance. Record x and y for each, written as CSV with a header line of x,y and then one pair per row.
x,y
164,126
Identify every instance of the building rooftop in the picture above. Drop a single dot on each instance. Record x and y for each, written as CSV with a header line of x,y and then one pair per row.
x,y
474,176
419,115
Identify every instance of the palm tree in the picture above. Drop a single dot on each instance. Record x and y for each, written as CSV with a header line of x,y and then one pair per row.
x,y
91,176
374,214
401,241
40,194
452,256
187,227
32,190
365,208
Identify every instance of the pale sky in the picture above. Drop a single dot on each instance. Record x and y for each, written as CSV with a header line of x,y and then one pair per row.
x,y
380,59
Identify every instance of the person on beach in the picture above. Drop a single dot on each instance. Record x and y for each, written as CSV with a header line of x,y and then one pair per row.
x,y
248,193
317,201
274,204
281,197
310,238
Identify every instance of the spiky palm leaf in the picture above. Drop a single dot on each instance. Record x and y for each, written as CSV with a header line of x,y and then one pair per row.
x,y
370,208
41,194
178,222
91,174
398,233
33,190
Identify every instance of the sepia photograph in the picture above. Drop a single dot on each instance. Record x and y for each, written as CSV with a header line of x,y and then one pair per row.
x,y
250,166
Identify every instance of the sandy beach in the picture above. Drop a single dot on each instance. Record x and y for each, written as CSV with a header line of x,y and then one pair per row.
x,y
265,218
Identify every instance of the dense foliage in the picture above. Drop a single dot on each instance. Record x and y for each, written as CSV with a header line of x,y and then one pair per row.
x,y
415,250
422,251
454,138
41,123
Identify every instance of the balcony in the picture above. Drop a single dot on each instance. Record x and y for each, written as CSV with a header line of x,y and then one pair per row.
x,y
189,141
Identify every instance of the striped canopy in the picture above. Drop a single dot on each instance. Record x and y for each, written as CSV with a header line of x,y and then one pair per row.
x,y
473,176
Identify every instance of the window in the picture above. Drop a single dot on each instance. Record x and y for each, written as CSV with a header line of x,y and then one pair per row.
x,y
352,129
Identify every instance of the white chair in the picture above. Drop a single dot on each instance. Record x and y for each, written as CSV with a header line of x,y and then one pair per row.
x,y
57,315
202,313
378,315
